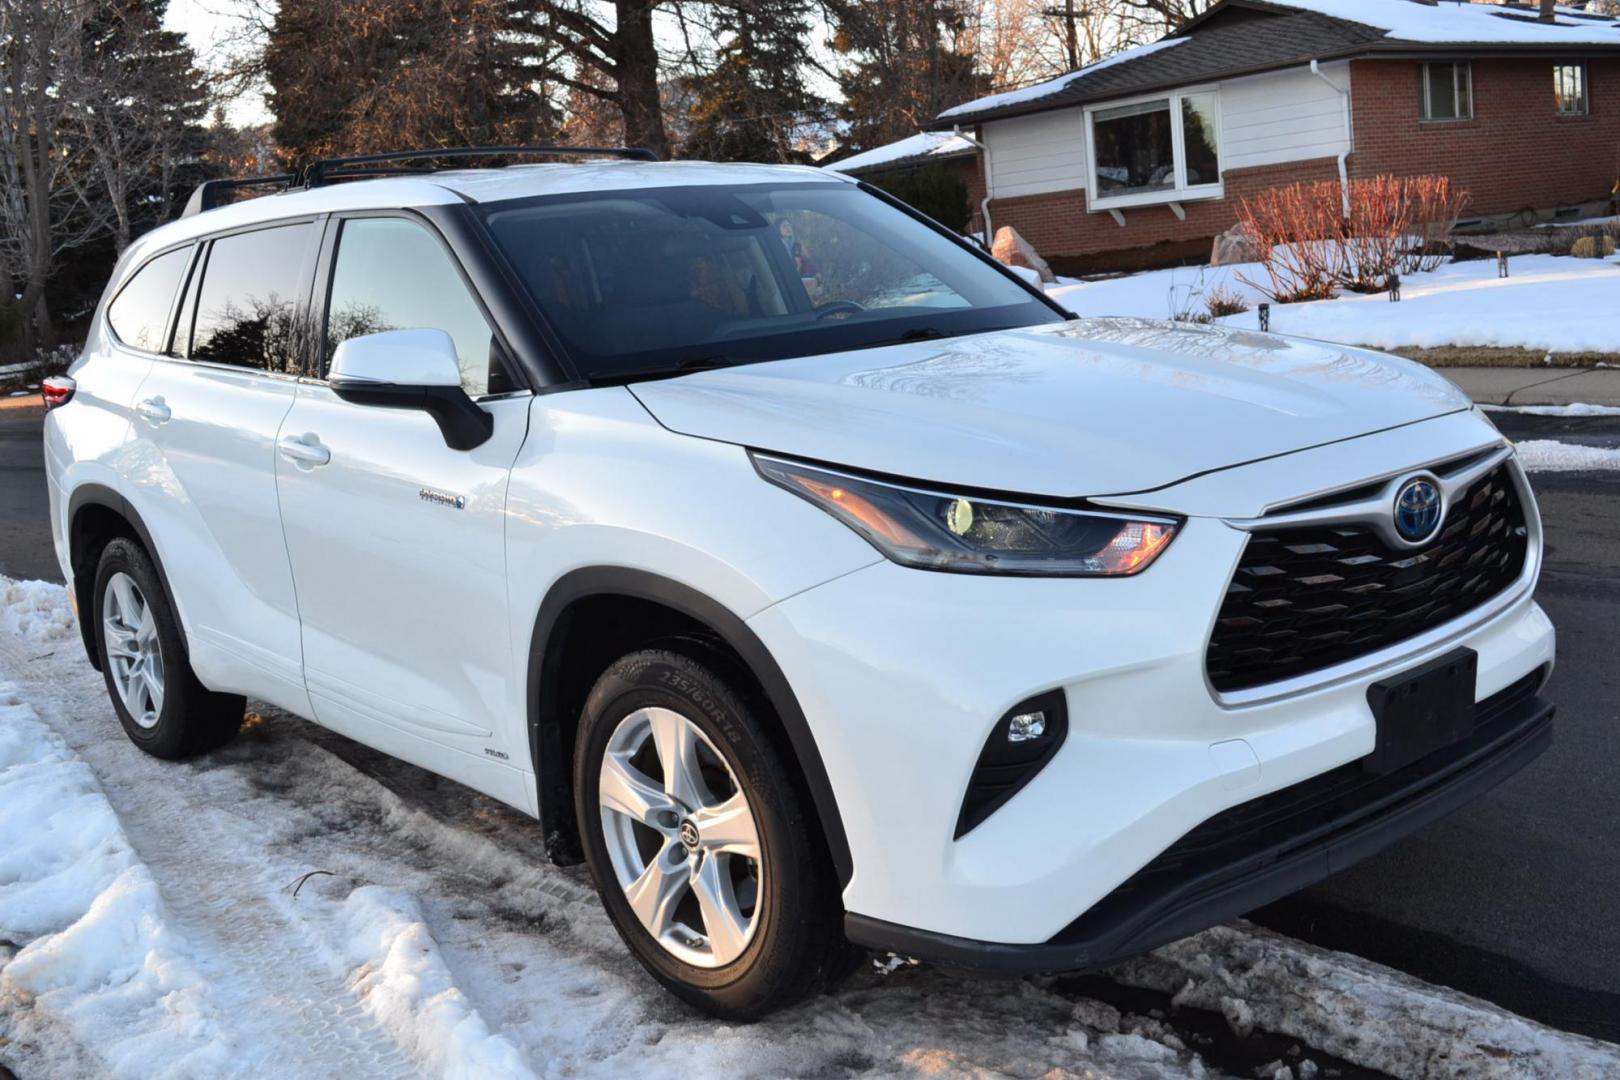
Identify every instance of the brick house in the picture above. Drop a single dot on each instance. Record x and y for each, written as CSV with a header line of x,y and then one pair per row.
x,y
1141,159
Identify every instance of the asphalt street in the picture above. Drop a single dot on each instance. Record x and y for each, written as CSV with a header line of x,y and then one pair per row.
x,y
1512,899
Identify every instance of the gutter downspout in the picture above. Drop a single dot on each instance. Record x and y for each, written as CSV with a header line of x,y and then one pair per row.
x,y
989,184
1349,137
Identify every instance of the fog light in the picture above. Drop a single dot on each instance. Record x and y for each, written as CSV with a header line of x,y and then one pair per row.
x,y
1026,727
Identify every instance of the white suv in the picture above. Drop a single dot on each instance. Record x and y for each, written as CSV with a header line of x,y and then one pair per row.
x,y
805,572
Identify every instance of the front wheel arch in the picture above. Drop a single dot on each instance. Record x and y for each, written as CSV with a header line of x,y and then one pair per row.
x,y
705,624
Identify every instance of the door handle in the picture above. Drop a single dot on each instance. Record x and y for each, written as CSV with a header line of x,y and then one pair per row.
x,y
304,450
155,410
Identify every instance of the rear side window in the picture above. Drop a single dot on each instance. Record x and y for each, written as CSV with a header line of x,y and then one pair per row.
x,y
247,310
393,274
139,314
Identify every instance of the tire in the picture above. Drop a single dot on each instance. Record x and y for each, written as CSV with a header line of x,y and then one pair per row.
x,y
786,899
183,717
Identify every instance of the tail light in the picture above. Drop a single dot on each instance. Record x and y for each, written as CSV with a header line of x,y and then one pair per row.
x,y
57,390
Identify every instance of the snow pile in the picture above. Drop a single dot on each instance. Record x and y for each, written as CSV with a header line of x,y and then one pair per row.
x,y
1047,89
1355,1009
932,144
1408,21
1576,409
1546,455
404,983
100,959
1551,302
35,611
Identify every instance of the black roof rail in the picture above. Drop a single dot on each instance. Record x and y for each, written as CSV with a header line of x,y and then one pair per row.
x,y
214,193
402,162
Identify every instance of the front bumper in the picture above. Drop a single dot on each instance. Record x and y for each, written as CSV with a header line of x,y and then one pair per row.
x,y
901,674
1258,851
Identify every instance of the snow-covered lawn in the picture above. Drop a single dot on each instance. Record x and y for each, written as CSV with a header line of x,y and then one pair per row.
x,y
296,905
1552,302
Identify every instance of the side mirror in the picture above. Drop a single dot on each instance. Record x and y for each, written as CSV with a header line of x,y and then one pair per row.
x,y
411,369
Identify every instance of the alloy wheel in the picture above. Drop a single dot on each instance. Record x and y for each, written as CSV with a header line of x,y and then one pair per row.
x,y
682,837
133,651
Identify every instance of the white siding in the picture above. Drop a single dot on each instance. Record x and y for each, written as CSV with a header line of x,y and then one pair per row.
x,y
1033,154
1282,116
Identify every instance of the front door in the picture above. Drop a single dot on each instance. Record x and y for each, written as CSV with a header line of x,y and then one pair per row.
x,y
396,541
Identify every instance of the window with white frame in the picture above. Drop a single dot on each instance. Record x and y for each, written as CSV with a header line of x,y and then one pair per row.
x,y
1447,91
1159,149
1569,89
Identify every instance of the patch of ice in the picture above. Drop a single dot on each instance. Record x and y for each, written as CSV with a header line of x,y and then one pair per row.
x,y
1548,455
1363,1012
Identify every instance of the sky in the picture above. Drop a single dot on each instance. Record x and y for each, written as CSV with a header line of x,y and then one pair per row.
x,y
205,22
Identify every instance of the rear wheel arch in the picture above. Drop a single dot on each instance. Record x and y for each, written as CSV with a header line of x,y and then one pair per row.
x,y
98,515
568,632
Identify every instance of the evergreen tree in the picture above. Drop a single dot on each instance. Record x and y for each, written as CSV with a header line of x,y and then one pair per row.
x,y
352,76
754,103
911,60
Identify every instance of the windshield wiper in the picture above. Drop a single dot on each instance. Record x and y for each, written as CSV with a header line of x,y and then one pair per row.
x,y
683,367
929,333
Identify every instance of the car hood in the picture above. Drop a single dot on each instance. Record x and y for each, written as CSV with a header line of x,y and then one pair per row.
x,y
1084,408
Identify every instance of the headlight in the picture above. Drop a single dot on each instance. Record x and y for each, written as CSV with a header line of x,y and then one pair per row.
x,y
968,534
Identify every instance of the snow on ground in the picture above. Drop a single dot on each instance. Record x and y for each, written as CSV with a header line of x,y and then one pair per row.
x,y
1552,302
295,904
1547,455
1574,409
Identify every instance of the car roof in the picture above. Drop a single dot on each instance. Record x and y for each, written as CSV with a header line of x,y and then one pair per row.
x,y
471,185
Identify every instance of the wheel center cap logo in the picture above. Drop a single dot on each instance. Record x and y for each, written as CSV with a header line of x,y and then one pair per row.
x,y
689,834
1417,510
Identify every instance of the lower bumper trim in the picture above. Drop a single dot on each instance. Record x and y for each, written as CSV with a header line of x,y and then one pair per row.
x,y
1257,852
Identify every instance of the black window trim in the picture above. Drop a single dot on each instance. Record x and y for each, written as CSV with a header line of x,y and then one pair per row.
x,y
174,303
199,265
321,297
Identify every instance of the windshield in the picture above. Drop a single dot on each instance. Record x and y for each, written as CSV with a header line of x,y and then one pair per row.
x,y
649,282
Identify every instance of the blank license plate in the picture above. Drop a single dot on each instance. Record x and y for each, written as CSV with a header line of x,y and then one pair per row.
x,y
1421,710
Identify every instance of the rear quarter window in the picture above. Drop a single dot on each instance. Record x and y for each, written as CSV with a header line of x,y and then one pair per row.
x,y
139,314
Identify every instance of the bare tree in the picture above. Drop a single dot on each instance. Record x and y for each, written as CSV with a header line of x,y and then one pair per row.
x,y
45,203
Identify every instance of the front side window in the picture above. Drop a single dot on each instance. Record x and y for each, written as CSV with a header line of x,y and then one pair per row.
x,y
642,283
1156,150
1569,89
247,310
1447,91
139,314
392,274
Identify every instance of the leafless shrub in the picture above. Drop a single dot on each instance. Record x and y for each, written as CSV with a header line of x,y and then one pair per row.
x,y
1221,301
1316,238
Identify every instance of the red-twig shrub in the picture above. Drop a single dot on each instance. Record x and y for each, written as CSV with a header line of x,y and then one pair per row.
x,y
1312,247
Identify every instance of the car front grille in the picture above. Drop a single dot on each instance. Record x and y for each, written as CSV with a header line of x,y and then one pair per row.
x,y
1308,598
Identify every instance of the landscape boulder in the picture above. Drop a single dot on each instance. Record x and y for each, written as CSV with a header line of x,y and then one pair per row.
x,y
1010,249
1233,247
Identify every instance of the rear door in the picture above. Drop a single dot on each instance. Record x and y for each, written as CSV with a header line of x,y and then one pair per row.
x,y
397,541
201,462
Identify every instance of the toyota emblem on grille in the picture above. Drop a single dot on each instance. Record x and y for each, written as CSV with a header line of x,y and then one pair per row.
x,y
1418,507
